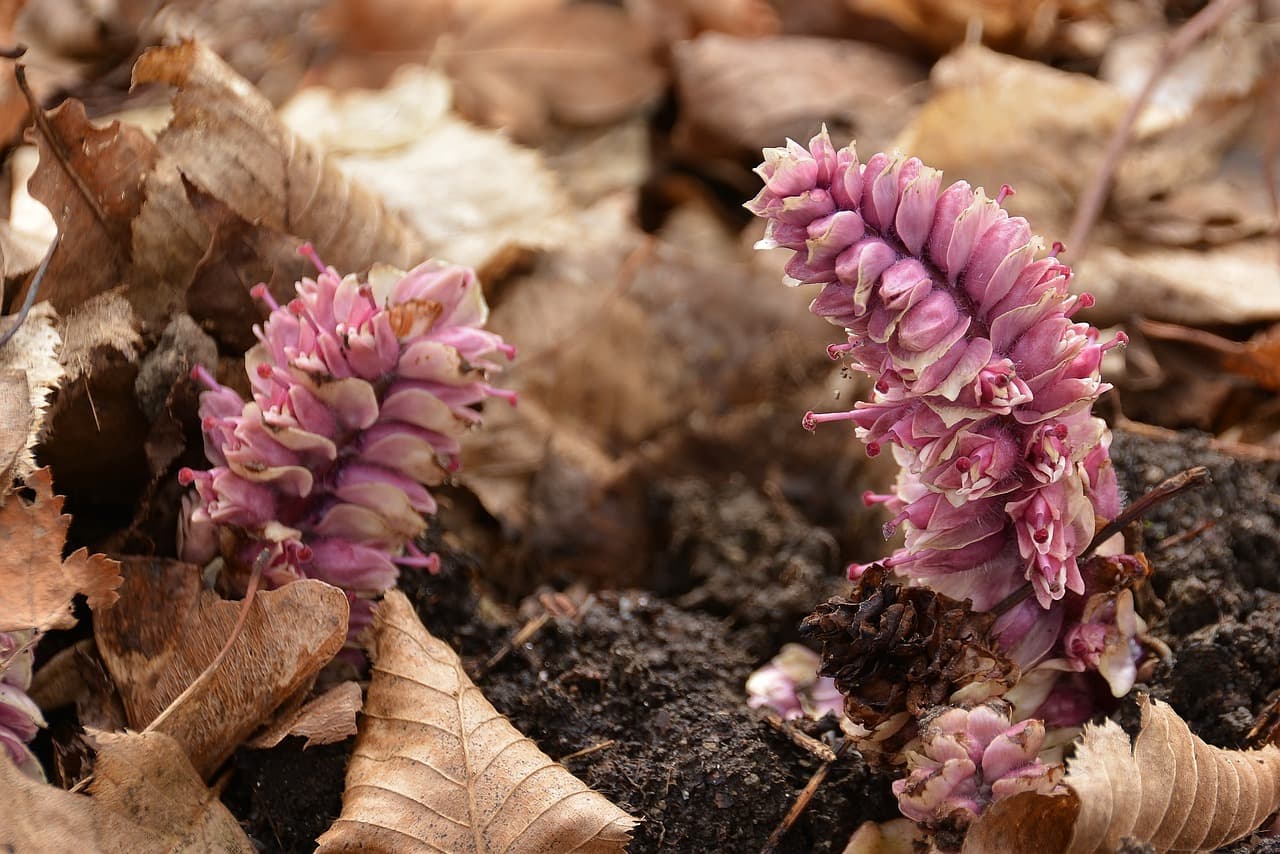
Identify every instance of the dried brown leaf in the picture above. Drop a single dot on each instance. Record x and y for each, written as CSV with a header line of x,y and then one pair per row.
x,y
145,797
673,21
471,192
166,629
39,585
750,93
29,372
323,720
1167,788
436,767
91,180
226,138
1020,25
581,64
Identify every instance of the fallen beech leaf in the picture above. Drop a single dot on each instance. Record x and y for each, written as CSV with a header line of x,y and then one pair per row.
x,y
745,92
1237,283
29,372
226,138
580,64
166,629
1167,788
470,192
435,764
145,797
328,718
39,585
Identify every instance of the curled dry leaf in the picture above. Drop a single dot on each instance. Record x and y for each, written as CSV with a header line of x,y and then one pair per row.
x,y
29,371
437,767
749,93
328,718
471,193
166,629
38,584
226,138
1167,788
145,797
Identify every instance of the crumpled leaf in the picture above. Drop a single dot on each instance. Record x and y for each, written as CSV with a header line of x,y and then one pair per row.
x,y
436,765
750,93
1236,283
145,797
1167,788
579,64
471,193
38,584
325,719
166,629
29,372
226,138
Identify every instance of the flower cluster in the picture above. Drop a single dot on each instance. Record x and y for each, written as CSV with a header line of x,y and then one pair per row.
x,y
361,391
983,386
20,717
790,685
970,758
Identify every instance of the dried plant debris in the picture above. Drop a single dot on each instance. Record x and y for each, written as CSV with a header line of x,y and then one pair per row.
x,y
329,718
166,630
29,372
1166,788
437,767
39,584
145,797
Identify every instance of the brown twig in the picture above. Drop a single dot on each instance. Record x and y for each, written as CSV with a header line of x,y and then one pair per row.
x,y
32,289
1185,536
802,800
527,631
587,751
1241,450
1158,494
803,740
1091,201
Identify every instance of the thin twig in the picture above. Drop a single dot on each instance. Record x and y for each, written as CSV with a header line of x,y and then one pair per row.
x,y
32,289
1197,27
1158,494
527,631
587,751
1185,536
803,740
802,800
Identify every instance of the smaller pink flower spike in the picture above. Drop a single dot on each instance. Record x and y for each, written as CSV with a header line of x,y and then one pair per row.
x,y
358,408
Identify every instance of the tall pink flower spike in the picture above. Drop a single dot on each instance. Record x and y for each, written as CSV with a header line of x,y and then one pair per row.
x,y
983,384
361,391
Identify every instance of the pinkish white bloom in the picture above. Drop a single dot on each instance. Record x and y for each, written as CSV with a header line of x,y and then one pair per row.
x,y
361,391
20,717
790,685
969,759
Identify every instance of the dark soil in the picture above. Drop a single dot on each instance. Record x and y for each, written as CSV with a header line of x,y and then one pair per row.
x,y
654,682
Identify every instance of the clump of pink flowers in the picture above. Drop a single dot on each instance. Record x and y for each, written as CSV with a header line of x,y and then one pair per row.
x,y
361,390
982,390
20,717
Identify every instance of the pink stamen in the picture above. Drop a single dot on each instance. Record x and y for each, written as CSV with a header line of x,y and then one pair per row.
x,y
1005,192
1120,340
812,419
186,476
507,350
1058,248
308,251
506,394
835,351
201,374
259,291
